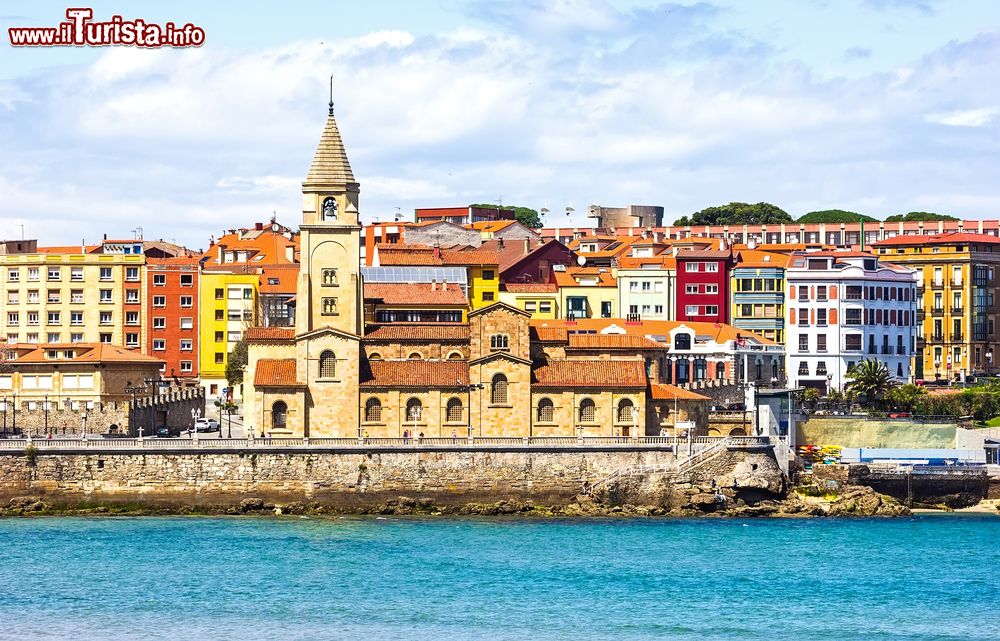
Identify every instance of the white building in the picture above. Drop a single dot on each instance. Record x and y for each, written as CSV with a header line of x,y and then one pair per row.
x,y
844,307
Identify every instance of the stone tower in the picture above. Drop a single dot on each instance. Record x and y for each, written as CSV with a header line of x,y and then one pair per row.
x,y
329,300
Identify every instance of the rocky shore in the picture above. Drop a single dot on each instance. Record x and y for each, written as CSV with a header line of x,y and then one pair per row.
x,y
701,502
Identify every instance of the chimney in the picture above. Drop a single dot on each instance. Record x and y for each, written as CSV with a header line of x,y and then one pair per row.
x,y
444,285
434,284
437,252
258,226
500,244
527,244
222,249
290,253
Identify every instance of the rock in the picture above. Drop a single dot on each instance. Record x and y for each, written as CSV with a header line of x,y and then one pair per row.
x,y
704,499
26,504
864,501
251,505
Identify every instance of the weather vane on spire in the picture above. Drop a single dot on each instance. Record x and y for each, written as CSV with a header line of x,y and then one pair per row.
x,y
331,94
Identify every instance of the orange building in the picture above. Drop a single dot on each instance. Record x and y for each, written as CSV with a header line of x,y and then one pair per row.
x,y
172,316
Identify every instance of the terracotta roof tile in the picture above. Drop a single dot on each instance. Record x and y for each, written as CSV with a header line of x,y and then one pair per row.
x,y
424,374
568,278
757,258
471,258
276,372
938,239
262,334
84,353
418,332
718,254
661,392
416,293
592,374
548,334
719,332
612,341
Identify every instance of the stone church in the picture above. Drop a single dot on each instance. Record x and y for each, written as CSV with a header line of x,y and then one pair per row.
x,y
334,375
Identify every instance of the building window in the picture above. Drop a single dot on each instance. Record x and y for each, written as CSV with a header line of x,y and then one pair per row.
x,y
159,280
220,314
187,301
132,273
220,358
588,411
55,273
106,296
821,343
625,408
487,296
220,337
852,342
187,280
187,322
498,390
220,293
330,209
454,411
488,274
13,275
187,344
330,277
373,410
279,415
415,356
414,410
105,338
159,344
682,341
545,411
329,306
186,366
499,342
374,356
132,296
327,365
803,369
53,318
720,370
53,296
105,273
76,318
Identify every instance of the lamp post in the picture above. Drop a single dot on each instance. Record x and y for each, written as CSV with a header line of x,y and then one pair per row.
x,y
989,361
45,409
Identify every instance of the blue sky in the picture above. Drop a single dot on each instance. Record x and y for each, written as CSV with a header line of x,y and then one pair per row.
x,y
880,106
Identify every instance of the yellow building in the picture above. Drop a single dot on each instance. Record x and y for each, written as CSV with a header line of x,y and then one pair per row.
x,y
90,294
758,293
541,300
228,306
587,292
956,306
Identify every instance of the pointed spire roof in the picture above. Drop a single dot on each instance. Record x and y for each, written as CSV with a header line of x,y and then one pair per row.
x,y
330,164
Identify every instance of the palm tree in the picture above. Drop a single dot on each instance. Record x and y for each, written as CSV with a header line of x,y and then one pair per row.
x,y
870,379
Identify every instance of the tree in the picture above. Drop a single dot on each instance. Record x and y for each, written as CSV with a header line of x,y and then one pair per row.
x,y
870,379
835,216
918,215
236,363
905,397
525,215
737,214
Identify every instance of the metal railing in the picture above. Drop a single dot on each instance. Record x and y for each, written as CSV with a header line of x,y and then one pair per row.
x,y
131,444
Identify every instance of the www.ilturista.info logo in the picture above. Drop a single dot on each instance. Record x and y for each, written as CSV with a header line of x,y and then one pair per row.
x,y
79,30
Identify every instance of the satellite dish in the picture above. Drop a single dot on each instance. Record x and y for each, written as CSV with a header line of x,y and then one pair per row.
x,y
544,210
569,210
581,261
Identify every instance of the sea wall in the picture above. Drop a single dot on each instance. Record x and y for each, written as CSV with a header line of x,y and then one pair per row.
x,y
342,478
848,431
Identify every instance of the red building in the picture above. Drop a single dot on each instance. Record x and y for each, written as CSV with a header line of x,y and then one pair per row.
x,y
703,285
463,215
172,318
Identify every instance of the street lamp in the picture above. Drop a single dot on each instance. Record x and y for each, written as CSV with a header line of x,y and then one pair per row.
x,y
46,410
989,361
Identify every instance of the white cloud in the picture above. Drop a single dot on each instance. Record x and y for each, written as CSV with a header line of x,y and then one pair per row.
x,y
964,117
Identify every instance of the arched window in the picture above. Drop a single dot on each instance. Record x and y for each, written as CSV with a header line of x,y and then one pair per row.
x,y
700,369
329,209
454,410
279,414
498,390
327,365
414,356
545,411
373,410
414,410
498,342
455,356
625,408
588,411
683,370
682,341
668,370
720,370
374,356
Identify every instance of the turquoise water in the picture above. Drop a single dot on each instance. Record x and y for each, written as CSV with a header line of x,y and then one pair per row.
x,y
928,577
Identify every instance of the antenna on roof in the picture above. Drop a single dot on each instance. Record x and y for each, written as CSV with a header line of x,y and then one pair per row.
x,y
331,94
398,216
543,211
569,210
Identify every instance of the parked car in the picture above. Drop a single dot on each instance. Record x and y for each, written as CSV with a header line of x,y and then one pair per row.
x,y
899,415
207,425
165,432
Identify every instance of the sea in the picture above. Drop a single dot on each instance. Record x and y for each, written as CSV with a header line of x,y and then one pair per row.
x,y
923,578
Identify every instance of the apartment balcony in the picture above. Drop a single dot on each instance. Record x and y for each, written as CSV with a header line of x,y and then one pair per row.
x,y
920,314
920,290
886,350
900,350
956,310
937,311
872,349
937,338
956,337
937,285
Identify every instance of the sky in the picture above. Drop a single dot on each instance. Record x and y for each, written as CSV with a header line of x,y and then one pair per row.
x,y
876,106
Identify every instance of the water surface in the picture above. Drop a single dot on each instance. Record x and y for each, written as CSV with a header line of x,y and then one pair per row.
x,y
928,577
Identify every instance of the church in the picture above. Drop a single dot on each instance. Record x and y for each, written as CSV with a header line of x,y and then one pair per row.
x,y
489,372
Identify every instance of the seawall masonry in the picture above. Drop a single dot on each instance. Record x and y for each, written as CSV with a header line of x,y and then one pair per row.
x,y
352,479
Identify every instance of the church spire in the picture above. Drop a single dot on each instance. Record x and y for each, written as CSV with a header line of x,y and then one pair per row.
x,y
330,165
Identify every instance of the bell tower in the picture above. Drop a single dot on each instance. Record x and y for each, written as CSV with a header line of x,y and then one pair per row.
x,y
329,286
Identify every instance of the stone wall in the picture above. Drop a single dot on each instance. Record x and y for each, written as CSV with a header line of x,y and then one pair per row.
x,y
348,479
174,409
65,421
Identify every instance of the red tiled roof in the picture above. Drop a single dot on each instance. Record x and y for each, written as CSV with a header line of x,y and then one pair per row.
x,y
84,353
718,254
568,278
275,372
470,258
661,392
548,334
418,332
261,334
612,341
424,374
390,255
416,293
530,288
593,374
